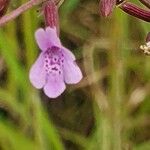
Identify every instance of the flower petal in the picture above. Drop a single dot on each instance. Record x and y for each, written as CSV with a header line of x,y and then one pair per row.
x,y
55,86
41,39
37,73
68,54
53,39
72,73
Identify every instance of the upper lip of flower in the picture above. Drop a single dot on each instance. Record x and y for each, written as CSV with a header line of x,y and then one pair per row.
x,y
47,38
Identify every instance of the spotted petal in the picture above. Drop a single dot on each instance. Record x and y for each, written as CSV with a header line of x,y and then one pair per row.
x,y
55,86
37,73
72,73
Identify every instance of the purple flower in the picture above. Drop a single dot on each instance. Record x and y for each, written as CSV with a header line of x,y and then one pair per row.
x,y
55,65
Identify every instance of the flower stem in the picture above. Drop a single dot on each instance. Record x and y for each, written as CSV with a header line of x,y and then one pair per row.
x,y
117,79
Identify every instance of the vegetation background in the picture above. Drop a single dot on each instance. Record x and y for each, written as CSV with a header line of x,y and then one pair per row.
x,y
108,110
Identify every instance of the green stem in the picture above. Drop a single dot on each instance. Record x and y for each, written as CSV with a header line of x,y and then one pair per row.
x,y
117,72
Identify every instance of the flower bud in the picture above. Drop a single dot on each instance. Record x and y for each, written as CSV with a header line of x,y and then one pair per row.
x,y
51,15
3,6
135,11
106,7
146,3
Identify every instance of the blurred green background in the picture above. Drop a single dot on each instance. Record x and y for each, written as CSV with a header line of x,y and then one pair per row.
x,y
108,110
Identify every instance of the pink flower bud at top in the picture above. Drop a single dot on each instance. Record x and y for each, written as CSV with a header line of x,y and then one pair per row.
x,y
51,15
106,7
146,48
3,6
135,11
145,2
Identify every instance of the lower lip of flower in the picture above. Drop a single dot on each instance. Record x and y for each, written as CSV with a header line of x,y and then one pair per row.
x,y
53,62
